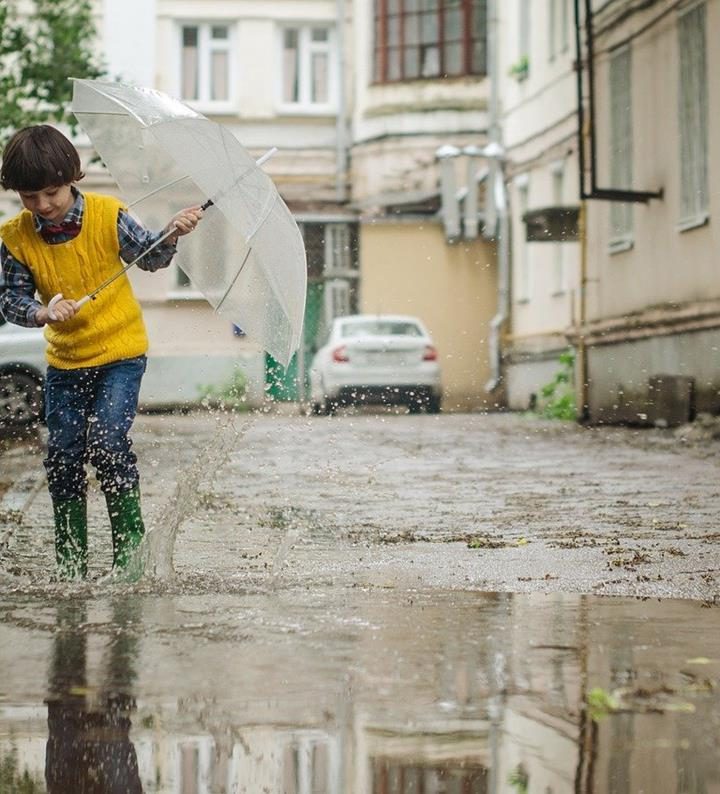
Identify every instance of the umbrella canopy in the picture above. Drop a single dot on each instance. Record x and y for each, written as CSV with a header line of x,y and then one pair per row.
x,y
247,257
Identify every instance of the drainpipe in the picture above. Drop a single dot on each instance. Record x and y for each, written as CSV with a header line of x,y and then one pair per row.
x,y
341,131
583,388
497,225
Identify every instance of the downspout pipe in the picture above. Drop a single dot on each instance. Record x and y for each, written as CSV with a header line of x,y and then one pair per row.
x,y
498,204
595,192
341,125
498,322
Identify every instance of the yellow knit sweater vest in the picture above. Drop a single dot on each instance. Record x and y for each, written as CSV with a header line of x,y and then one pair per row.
x,y
106,329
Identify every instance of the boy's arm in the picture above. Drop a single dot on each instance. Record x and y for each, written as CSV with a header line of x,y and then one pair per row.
x,y
135,238
17,292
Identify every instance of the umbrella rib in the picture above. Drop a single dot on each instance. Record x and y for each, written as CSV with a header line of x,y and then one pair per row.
x,y
232,283
98,113
158,189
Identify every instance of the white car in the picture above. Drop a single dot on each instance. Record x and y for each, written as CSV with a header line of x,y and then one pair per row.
x,y
22,374
386,359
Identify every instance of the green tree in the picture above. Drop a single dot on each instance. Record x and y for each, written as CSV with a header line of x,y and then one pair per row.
x,y
40,48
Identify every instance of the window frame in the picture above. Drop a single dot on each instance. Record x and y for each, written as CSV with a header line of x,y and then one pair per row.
x,y
697,182
620,146
205,47
524,282
381,46
306,49
558,178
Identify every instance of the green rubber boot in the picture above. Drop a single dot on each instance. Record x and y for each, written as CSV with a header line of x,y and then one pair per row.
x,y
71,537
126,524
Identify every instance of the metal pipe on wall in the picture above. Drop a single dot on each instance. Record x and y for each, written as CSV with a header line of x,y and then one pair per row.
x,y
498,213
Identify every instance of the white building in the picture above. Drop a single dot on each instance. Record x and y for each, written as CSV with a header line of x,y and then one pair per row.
x,y
273,73
539,126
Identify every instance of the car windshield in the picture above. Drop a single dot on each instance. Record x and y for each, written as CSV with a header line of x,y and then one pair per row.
x,y
380,328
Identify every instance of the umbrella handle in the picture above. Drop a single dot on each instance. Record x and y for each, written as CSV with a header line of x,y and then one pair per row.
x,y
57,298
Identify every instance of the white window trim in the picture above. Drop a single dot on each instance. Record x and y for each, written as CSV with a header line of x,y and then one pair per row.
x,y
204,105
694,222
619,244
566,25
553,48
304,107
558,174
525,275
701,218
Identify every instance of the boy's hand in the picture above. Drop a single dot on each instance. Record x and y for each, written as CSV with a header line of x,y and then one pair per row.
x,y
184,222
63,310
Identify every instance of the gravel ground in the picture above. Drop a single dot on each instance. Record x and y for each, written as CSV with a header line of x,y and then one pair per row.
x,y
496,502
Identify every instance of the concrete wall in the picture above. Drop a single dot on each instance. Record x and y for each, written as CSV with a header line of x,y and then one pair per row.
x,y
407,267
619,374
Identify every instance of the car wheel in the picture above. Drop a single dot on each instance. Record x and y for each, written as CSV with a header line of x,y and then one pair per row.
x,y
21,399
330,407
316,409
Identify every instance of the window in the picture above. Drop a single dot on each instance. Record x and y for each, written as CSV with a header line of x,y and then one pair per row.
x,y
307,66
565,26
558,27
693,121
621,143
523,282
558,182
416,39
331,249
205,63
524,31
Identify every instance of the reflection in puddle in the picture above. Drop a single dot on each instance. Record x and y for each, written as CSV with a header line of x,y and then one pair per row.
x,y
88,746
359,692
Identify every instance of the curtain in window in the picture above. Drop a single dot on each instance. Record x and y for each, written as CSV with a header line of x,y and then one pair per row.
x,y
190,63
693,122
429,38
319,93
621,142
291,70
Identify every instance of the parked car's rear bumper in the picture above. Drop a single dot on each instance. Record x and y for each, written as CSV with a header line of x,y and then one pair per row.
x,y
385,395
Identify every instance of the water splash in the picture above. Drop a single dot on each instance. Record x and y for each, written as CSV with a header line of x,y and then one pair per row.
x,y
154,558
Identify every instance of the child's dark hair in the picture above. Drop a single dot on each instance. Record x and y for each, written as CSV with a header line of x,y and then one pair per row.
x,y
39,157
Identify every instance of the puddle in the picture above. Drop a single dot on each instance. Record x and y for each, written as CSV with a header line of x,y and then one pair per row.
x,y
358,691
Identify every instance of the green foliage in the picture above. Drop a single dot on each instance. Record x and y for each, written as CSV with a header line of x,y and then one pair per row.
x,y
520,69
600,703
39,51
519,780
12,781
558,397
230,396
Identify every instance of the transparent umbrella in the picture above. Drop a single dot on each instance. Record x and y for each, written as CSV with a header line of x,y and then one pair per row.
x,y
247,257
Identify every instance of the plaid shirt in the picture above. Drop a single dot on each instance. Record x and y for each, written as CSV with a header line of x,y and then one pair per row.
x,y
17,288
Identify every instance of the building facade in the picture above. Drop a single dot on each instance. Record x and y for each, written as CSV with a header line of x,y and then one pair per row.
x,y
630,282
653,286
420,89
539,123
274,73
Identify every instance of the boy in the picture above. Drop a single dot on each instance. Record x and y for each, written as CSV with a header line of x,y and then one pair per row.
x,y
68,242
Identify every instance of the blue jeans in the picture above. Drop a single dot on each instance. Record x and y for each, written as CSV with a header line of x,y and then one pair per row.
x,y
89,414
